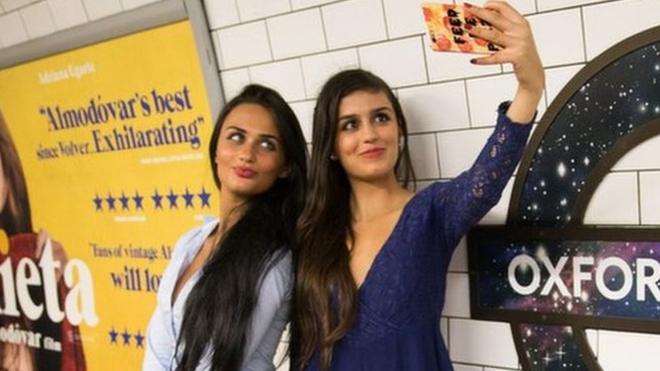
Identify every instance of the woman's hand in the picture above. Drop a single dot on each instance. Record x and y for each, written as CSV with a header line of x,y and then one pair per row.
x,y
59,255
513,33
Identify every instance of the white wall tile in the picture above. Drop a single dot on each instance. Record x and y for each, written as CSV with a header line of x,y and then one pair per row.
x,y
460,367
234,81
486,94
38,20
457,296
317,69
645,156
497,215
629,351
423,156
459,261
473,342
522,6
296,34
285,77
244,44
450,66
547,36
132,4
67,13
650,197
608,23
253,9
444,329
354,22
435,107
557,78
299,4
404,17
12,31
10,5
458,150
557,4
305,113
614,201
592,339
97,9
221,13
399,63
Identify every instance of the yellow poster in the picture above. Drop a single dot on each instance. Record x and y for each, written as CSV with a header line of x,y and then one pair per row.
x,y
110,163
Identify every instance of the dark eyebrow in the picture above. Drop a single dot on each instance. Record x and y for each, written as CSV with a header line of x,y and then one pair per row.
x,y
236,128
268,136
379,109
384,108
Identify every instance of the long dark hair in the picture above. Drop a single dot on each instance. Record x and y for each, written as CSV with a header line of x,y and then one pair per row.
x,y
15,216
219,307
326,293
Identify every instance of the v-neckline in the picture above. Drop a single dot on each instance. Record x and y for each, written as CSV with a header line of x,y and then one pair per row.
x,y
384,245
182,269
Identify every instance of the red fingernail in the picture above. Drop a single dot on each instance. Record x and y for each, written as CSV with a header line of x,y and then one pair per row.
x,y
468,26
473,61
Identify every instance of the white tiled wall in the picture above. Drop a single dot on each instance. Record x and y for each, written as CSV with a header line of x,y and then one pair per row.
x,y
23,20
295,45
296,34
38,20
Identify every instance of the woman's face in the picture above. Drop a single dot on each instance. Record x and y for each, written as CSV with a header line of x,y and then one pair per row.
x,y
250,154
367,137
4,191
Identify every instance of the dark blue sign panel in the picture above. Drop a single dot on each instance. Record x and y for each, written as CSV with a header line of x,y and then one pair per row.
x,y
607,278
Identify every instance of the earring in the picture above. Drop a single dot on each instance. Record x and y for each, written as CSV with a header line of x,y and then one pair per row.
x,y
333,157
402,143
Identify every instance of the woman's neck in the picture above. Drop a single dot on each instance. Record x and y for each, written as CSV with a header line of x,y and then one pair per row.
x,y
232,208
371,199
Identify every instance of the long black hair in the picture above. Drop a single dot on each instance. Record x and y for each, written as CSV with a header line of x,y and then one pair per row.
x,y
323,258
219,307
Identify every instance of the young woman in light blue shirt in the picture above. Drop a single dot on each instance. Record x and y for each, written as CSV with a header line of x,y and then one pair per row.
x,y
223,300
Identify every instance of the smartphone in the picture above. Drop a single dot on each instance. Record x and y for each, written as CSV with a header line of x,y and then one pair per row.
x,y
446,29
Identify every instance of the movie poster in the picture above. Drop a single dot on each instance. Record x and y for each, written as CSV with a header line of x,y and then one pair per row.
x,y
104,165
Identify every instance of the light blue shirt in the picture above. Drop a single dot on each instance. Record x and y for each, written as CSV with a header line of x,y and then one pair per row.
x,y
269,318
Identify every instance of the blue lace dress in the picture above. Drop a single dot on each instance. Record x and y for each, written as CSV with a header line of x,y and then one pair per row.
x,y
402,296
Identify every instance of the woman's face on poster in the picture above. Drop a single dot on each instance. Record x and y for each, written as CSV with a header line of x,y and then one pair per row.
x,y
3,187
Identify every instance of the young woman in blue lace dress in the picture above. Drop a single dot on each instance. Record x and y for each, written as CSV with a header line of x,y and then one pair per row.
x,y
373,257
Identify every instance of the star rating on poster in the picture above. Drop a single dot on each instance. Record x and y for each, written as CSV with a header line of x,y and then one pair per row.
x,y
158,199
125,338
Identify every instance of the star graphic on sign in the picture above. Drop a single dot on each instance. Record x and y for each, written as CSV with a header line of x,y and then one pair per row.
x,y
139,339
127,337
113,335
124,201
171,197
204,196
98,201
158,199
138,201
188,197
111,202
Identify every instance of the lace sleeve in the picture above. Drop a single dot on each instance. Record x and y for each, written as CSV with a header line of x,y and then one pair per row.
x,y
466,199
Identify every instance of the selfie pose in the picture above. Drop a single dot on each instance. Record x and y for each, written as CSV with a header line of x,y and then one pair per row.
x,y
223,301
373,257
